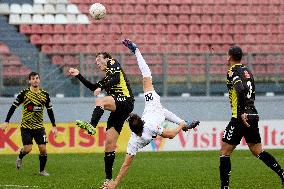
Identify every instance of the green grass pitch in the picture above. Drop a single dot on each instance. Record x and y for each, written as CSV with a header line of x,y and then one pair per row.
x,y
149,170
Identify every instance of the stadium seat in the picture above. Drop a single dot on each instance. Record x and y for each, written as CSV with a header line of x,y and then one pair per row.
x,y
182,28
15,19
82,19
15,9
128,8
115,8
151,9
194,28
195,19
196,9
27,9
40,1
72,9
26,19
182,19
60,19
37,19
193,38
48,19
47,28
216,28
58,28
171,28
38,9
206,19
205,28
162,9
162,19
4,49
61,8
4,8
25,28
184,9
217,19
35,39
49,9
71,18
140,9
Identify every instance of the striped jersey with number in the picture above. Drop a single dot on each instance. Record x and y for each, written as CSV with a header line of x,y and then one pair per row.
x,y
240,73
33,104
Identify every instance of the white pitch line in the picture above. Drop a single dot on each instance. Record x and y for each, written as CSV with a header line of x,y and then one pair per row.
x,y
19,186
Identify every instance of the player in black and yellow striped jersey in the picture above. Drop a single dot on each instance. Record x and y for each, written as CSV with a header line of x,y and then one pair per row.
x,y
33,100
120,102
244,120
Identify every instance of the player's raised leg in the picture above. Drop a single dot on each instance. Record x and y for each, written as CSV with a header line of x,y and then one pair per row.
x,y
144,68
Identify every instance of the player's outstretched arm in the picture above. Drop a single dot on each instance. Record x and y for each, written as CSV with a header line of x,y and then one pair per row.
x,y
75,72
124,168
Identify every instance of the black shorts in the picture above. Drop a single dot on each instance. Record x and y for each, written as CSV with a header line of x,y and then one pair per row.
x,y
116,119
29,134
236,130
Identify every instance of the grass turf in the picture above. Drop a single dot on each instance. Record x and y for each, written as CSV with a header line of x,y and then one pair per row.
x,y
149,170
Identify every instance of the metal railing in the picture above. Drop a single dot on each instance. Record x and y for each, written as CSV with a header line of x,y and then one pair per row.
x,y
173,74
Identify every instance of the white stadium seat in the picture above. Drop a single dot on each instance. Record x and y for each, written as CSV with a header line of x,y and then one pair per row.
x,y
49,9
16,8
60,8
72,9
40,1
51,1
82,19
49,19
60,19
62,1
4,8
27,8
38,9
71,18
14,19
38,19
26,19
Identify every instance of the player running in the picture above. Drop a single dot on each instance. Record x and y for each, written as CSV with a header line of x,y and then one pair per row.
x,y
149,126
34,99
244,121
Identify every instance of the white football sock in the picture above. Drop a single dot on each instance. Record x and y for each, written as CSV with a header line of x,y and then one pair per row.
x,y
170,116
144,68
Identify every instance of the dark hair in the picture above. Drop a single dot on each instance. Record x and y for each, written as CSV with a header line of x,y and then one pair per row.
x,y
136,124
32,74
236,53
105,55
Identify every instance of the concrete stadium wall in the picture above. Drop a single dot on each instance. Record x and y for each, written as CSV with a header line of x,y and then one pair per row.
x,y
202,108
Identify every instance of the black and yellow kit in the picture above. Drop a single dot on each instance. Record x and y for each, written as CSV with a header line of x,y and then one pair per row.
x,y
33,104
116,85
239,74
240,83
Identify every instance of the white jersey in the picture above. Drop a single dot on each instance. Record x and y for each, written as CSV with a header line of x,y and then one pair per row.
x,y
153,116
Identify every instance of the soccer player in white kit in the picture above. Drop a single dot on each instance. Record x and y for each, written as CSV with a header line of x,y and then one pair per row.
x,y
149,126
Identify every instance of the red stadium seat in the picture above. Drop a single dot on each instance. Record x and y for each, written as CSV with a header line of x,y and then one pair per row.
x,y
161,18
140,9
46,39
218,19
195,19
162,9
228,29
151,9
184,19
24,28
196,9
206,19
171,28
217,28
57,59
205,28
182,28
194,28
193,38
46,28
116,8
35,39
184,9
128,8
59,28
36,28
